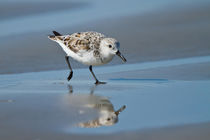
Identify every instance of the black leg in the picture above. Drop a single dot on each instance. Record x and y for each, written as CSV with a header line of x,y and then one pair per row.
x,y
71,72
97,82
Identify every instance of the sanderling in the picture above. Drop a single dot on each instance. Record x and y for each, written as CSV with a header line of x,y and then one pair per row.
x,y
89,48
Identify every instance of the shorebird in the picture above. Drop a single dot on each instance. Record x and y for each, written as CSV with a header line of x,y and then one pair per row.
x,y
89,48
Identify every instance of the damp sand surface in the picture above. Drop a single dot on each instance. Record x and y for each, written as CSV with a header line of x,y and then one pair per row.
x,y
164,85
147,31
43,105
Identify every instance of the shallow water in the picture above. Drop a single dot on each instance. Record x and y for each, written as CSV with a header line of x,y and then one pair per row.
x,y
40,104
44,102
149,103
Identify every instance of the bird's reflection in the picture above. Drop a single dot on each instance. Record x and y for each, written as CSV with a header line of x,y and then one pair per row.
x,y
107,116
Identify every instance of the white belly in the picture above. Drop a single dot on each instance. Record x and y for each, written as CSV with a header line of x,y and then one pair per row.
x,y
90,59
86,58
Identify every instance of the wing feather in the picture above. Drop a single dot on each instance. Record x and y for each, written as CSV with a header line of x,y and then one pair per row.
x,y
82,42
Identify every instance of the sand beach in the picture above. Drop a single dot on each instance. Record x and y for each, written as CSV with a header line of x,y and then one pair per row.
x,y
164,84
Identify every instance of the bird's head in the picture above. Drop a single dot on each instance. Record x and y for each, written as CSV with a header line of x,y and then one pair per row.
x,y
110,46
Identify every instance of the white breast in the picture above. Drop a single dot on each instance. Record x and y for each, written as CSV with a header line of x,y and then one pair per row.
x,y
86,58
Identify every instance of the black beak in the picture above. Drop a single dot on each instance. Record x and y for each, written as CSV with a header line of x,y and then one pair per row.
x,y
120,110
121,56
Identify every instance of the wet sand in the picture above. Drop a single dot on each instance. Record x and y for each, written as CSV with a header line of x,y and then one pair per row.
x,y
21,8
43,105
158,35
164,85
193,132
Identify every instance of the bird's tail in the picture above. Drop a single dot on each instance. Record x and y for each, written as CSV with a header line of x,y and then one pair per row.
x,y
54,37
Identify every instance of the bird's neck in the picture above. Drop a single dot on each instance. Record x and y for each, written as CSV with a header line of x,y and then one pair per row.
x,y
107,58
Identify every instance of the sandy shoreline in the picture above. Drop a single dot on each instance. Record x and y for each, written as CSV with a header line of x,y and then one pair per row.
x,y
160,35
36,106
22,8
193,132
164,85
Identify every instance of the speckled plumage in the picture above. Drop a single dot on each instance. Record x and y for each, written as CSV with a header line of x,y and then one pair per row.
x,y
81,41
89,48
84,47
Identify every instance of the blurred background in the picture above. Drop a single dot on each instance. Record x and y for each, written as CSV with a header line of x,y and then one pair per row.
x,y
172,94
148,30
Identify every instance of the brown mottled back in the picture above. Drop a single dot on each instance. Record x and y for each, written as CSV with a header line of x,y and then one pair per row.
x,y
84,41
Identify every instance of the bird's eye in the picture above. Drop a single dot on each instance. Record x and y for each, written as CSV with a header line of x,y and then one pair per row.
x,y
110,46
108,119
